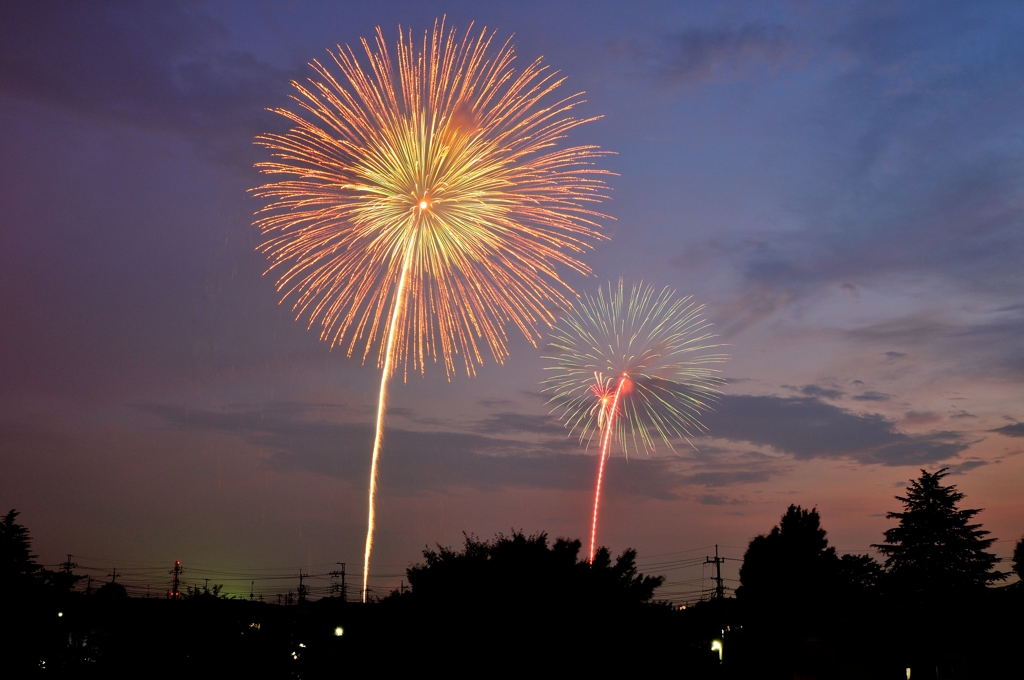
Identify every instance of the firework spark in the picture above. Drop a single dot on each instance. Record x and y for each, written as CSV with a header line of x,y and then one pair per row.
x,y
633,368
426,203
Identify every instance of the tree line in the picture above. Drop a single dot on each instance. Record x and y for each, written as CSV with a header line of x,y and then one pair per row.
x,y
928,607
935,551
801,608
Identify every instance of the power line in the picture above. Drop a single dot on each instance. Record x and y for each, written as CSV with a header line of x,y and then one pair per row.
x,y
322,580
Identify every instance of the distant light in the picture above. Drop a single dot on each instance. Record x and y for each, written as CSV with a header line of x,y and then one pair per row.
x,y
716,646
302,645
682,607
339,631
60,614
908,674
294,655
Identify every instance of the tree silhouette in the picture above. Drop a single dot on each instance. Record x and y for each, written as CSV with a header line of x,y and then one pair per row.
x,y
790,565
205,592
25,599
858,574
527,604
522,571
62,581
18,569
792,572
112,591
1018,558
935,550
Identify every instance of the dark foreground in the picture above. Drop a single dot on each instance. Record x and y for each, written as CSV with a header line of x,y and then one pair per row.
x,y
97,638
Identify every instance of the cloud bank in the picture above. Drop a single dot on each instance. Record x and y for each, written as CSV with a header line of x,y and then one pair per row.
x,y
510,450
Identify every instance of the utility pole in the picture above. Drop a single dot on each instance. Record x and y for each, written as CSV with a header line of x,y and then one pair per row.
x,y
175,593
113,576
65,569
401,588
335,574
252,586
302,588
717,561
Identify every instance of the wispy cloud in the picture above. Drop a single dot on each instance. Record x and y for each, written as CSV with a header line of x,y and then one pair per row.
x,y
1014,430
516,450
417,461
728,477
993,343
817,391
805,428
921,418
871,395
919,108
718,499
701,55
966,466
166,66
518,423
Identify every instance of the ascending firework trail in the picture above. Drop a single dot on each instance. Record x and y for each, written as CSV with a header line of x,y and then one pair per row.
x,y
426,202
630,367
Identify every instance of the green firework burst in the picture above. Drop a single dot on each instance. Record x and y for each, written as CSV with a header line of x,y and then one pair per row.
x,y
658,343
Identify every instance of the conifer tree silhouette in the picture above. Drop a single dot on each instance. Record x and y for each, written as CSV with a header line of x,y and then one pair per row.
x,y
935,549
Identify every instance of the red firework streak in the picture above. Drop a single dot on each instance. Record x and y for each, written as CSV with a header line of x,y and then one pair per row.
x,y
608,417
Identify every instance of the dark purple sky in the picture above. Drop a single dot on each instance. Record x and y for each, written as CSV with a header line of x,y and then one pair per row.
x,y
842,184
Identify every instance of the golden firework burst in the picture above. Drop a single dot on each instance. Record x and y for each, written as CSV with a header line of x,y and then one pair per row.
x,y
428,202
442,169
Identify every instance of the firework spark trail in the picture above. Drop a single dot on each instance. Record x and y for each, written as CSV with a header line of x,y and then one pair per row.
x,y
606,438
656,345
378,438
428,200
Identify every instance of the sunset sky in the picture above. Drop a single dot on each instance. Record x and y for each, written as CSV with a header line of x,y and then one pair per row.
x,y
842,184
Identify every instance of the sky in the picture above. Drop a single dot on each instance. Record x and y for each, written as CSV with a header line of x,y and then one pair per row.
x,y
839,183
